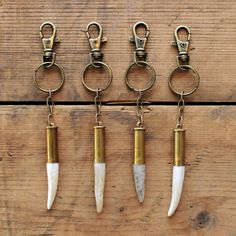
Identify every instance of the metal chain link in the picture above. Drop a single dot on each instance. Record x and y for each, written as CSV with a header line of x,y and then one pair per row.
x,y
97,103
50,104
181,106
139,109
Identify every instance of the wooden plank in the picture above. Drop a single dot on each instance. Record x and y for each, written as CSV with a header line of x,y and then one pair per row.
x,y
208,201
213,26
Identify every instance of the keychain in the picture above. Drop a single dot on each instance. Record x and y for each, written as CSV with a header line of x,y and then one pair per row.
x,y
179,132
140,60
96,61
48,62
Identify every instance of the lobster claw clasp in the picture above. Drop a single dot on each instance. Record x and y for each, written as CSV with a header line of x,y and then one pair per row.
x,y
140,42
48,43
183,46
95,43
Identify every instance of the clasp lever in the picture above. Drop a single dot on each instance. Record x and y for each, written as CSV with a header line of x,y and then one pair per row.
x,y
183,46
140,42
95,43
48,43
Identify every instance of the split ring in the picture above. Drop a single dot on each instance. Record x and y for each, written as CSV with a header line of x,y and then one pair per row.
x,y
196,77
98,63
152,77
59,68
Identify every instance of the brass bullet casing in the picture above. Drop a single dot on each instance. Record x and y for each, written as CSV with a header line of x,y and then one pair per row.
x,y
52,144
139,145
179,147
99,144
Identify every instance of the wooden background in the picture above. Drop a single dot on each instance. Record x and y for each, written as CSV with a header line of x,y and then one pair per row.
x,y
208,205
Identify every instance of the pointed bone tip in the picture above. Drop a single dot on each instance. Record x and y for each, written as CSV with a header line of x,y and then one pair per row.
x,y
99,210
99,207
49,206
177,186
52,173
141,199
139,179
170,212
99,169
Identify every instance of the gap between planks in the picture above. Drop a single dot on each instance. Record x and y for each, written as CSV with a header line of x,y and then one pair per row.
x,y
115,103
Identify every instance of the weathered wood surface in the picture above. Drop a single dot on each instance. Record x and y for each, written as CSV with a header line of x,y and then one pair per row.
x,y
208,203
213,26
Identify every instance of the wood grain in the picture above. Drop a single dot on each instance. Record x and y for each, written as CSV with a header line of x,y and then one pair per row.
x,y
208,203
212,23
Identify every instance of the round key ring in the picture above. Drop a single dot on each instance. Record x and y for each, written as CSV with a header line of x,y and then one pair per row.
x,y
184,68
99,64
62,76
152,78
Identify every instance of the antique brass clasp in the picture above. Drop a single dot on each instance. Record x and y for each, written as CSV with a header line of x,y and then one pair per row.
x,y
183,46
49,58
48,43
182,60
95,43
140,42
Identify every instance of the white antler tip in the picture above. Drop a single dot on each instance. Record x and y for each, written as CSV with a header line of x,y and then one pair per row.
x,y
99,174
139,180
52,173
177,186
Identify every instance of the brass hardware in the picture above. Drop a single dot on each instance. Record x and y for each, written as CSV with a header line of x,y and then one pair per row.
x,y
95,43
179,147
139,109
98,104
50,105
140,58
99,144
52,144
98,64
140,54
139,145
181,107
183,46
152,77
196,77
48,62
183,61
48,43
49,57
96,56
54,89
